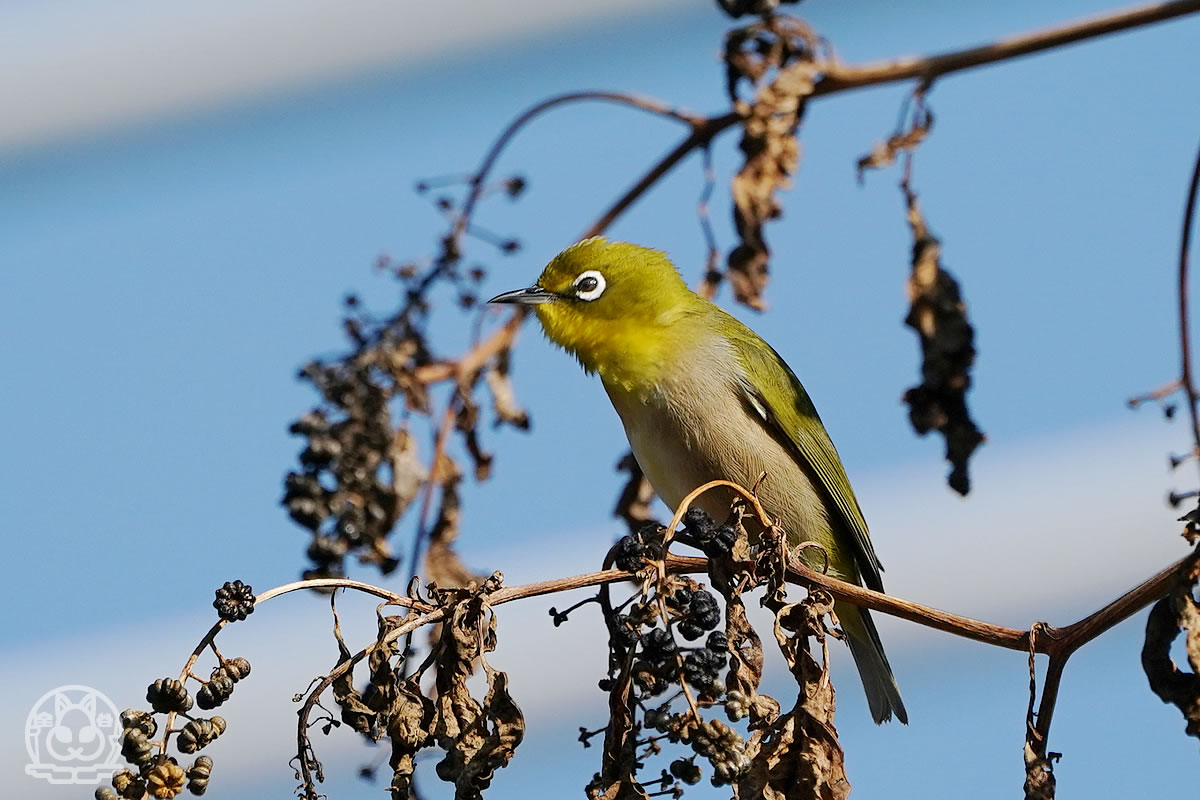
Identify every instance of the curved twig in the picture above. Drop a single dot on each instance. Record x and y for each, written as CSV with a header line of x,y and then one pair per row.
x,y
1185,342
479,179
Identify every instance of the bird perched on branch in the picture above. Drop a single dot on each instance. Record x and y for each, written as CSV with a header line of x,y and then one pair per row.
x,y
703,397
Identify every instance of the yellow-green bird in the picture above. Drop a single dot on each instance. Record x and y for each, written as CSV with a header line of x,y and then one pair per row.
x,y
703,397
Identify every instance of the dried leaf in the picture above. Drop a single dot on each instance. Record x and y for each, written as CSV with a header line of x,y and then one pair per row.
x,y
467,422
633,504
408,473
1176,612
884,154
442,564
939,316
617,779
478,739
355,713
504,397
1039,774
797,756
401,355
784,48
745,646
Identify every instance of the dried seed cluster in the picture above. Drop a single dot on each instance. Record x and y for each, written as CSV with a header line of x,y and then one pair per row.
x,y
657,661
155,773
354,480
358,468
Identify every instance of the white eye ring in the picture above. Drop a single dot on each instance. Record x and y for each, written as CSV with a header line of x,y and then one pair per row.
x,y
595,282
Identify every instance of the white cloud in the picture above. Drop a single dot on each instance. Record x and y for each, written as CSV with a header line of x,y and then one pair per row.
x,y
72,67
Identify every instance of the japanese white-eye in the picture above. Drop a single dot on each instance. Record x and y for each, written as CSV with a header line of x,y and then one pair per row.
x,y
702,397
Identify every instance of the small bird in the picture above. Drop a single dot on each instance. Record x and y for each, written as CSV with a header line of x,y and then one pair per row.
x,y
702,397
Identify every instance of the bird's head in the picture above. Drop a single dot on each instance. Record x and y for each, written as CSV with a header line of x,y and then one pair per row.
x,y
611,304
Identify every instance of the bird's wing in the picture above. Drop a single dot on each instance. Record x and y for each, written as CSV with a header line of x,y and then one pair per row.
x,y
795,424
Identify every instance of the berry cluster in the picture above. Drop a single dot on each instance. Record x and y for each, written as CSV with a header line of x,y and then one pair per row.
x,y
633,551
351,487
697,611
723,747
156,773
715,540
219,687
713,740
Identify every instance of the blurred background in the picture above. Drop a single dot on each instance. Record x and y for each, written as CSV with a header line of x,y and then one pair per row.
x,y
188,189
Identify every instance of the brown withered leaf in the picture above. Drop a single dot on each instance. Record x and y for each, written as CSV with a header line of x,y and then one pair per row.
x,y
777,55
633,504
410,723
504,397
442,564
1040,782
938,314
408,473
467,423
401,353
798,756
354,711
617,779
884,154
478,738
1176,612
745,646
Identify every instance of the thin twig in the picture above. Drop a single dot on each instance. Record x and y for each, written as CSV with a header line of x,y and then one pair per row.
x,y
702,134
439,449
479,179
1185,340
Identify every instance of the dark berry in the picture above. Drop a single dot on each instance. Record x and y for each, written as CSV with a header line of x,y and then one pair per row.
x,y
237,668
235,601
702,667
630,554
659,644
625,633
167,695
685,769
311,423
698,523
704,610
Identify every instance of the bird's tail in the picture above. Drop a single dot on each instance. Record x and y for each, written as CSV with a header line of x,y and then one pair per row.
x,y
883,695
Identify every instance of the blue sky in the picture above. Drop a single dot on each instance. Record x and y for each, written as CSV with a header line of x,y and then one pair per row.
x,y
162,277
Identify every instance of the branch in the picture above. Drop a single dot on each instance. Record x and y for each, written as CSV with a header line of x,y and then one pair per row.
x,y
840,78
928,68
701,136
1051,641
474,359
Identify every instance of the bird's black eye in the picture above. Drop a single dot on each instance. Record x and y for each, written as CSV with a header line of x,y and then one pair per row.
x,y
589,285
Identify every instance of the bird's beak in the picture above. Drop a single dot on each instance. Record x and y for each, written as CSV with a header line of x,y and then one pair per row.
x,y
534,295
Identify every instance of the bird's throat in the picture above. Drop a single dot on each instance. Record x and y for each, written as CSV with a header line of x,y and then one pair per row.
x,y
623,355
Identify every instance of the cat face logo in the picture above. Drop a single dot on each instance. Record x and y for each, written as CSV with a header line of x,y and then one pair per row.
x,y
71,736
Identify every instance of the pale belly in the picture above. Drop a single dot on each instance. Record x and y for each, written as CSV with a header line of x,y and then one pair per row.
x,y
681,447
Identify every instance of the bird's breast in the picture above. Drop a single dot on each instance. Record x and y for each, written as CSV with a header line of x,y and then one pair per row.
x,y
694,428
